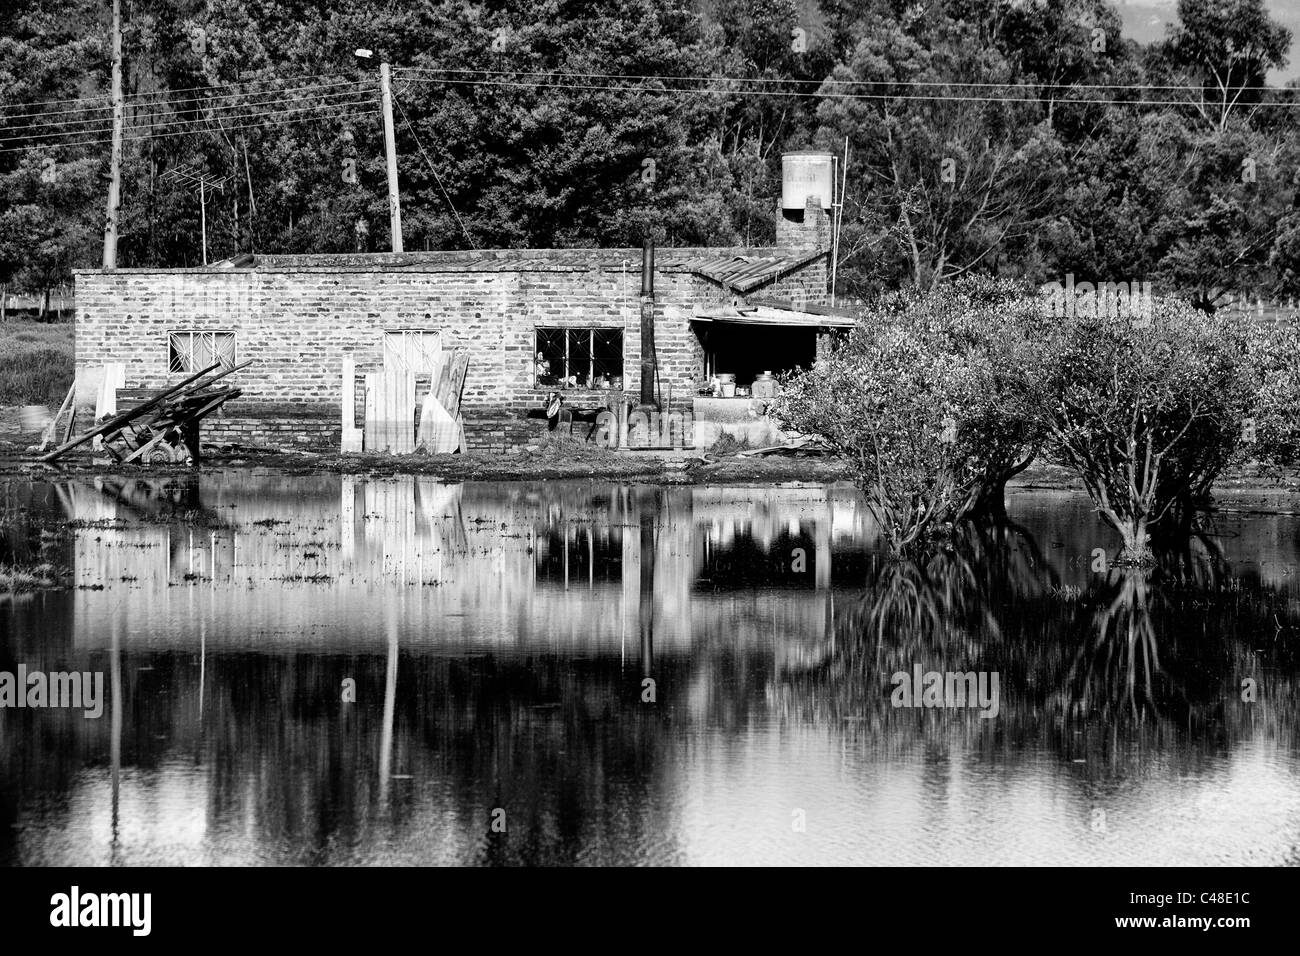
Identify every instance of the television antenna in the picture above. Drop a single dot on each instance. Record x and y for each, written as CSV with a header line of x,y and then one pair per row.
x,y
197,181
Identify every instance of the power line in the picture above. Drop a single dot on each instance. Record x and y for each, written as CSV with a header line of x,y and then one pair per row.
x,y
327,81
745,86
4,120
224,129
231,110
353,92
183,89
436,177
794,80
709,91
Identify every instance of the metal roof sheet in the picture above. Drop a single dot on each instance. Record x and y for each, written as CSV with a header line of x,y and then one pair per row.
x,y
740,273
827,310
769,315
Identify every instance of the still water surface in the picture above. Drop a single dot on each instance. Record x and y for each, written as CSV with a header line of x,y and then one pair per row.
x,y
499,637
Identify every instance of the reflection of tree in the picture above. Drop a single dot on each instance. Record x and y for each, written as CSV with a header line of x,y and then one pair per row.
x,y
1170,643
1161,652
955,610
959,594
1120,665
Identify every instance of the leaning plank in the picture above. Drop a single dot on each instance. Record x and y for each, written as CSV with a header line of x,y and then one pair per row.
x,y
441,379
796,444
47,437
72,420
459,366
189,386
117,422
371,438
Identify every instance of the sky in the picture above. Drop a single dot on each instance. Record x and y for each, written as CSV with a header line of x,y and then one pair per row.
x,y
1144,21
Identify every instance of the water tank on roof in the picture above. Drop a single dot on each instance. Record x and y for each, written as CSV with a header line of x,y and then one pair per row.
x,y
807,174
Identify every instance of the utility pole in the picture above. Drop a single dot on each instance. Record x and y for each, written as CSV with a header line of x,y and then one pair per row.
x,y
203,217
838,222
390,145
115,162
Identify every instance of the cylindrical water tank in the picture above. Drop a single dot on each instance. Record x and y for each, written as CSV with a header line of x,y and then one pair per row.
x,y
805,174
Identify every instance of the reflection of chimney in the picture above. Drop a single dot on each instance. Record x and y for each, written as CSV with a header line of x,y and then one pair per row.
x,y
807,192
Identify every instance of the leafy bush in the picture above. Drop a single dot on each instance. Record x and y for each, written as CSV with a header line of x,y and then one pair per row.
x,y
921,397
1148,410
1272,432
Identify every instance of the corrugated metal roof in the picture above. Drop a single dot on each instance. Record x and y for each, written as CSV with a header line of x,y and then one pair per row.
x,y
739,273
827,310
769,315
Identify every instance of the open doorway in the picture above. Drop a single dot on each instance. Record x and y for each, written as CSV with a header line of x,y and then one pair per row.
x,y
748,350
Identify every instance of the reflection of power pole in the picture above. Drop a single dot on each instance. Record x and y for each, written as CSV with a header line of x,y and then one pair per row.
x,y
390,705
201,183
649,508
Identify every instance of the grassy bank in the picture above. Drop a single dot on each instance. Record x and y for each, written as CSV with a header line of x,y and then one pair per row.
x,y
35,362
36,578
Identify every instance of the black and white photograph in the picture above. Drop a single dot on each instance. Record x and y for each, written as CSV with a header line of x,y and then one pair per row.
x,y
651,433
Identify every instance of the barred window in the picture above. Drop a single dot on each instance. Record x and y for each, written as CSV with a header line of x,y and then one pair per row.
x,y
414,350
579,357
194,351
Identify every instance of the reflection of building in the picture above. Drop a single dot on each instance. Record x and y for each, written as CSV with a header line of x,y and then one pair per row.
x,y
491,566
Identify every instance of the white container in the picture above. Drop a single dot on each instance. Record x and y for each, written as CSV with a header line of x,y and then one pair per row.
x,y
805,174
728,389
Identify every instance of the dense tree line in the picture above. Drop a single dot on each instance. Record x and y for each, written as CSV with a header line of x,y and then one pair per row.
x,y
1018,138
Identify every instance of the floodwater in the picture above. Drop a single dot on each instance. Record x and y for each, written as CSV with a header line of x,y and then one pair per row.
x,y
502,641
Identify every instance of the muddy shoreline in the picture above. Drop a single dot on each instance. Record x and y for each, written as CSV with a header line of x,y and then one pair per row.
x,y
1243,490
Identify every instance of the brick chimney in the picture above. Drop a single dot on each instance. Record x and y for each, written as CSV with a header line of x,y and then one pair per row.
x,y
807,191
806,230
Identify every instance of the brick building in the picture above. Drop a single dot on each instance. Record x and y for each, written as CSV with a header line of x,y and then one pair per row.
x,y
298,317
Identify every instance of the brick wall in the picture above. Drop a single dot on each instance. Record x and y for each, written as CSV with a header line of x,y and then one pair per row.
x,y
297,317
301,432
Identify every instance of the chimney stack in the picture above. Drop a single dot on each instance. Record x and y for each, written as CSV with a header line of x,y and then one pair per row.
x,y
807,193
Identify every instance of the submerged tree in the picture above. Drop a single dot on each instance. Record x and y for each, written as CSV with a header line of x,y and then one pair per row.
x,y
921,398
1147,406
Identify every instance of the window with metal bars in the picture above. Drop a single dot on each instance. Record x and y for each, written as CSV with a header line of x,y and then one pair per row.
x,y
194,351
579,358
